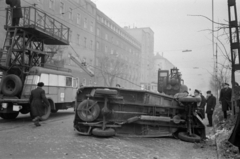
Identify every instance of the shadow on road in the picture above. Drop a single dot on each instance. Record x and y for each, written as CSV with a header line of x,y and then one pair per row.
x,y
25,118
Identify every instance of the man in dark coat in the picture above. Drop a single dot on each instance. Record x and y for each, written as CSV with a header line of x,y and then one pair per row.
x,y
201,108
225,99
16,11
211,103
38,102
235,136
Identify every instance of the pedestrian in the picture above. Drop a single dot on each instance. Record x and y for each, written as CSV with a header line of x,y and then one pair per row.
x,y
235,136
197,95
38,103
16,11
225,99
201,108
211,103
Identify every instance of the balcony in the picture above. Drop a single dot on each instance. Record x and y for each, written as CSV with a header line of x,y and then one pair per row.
x,y
40,24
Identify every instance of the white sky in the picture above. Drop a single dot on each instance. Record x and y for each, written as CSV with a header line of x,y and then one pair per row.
x,y
175,31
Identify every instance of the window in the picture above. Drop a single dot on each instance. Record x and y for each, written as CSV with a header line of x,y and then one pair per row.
x,y
91,44
61,80
70,13
78,39
106,36
106,49
78,18
85,42
52,80
98,32
51,4
75,82
32,79
97,45
61,8
69,81
85,22
44,79
91,27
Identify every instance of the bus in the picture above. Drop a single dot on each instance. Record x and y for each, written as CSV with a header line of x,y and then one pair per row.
x,y
60,87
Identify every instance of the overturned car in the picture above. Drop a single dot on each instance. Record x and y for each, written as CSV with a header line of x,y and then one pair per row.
x,y
109,111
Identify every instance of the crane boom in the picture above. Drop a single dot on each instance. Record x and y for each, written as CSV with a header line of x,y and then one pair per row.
x,y
82,66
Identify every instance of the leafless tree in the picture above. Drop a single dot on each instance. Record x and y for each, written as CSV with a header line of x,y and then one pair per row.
x,y
110,68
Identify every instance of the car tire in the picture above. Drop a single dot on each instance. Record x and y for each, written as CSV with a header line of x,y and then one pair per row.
x,y
185,137
8,116
109,132
88,115
106,91
11,85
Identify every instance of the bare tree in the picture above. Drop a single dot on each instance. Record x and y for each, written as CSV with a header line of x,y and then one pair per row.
x,y
110,68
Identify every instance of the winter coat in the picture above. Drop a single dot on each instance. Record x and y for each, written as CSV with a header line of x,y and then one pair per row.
x,y
38,102
15,4
225,98
235,136
211,103
202,107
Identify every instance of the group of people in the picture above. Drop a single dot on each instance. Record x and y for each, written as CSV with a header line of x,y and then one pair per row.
x,y
225,101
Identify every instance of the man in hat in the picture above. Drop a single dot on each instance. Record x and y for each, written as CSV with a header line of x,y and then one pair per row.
x,y
16,11
37,101
225,99
211,103
197,95
201,108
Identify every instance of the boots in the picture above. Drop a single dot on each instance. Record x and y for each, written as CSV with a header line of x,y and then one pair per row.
x,y
36,121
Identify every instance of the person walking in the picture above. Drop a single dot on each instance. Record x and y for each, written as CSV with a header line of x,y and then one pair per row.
x,y
38,103
211,103
16,11
225,99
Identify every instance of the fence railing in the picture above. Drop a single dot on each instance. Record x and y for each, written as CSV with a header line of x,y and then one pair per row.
x,y
35,18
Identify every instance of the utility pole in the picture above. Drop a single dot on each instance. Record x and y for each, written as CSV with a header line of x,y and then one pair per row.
x,y
234,44
216,71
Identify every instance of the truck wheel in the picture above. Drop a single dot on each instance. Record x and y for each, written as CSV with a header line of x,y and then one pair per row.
x,y
106,92
11,85
47,113
109,132
185,137
54,110
88,110
8,116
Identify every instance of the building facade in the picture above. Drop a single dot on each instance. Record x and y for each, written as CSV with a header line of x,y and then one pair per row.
x,y
146,37
123,50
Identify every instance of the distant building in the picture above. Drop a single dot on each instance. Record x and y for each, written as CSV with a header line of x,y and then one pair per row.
x,y
115,43
146,37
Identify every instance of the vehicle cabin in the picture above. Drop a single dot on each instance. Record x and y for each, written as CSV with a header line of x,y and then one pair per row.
x,y
59,86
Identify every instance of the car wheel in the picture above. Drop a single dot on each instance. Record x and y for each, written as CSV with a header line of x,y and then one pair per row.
x,y
106,92
185,137
109,132
88,110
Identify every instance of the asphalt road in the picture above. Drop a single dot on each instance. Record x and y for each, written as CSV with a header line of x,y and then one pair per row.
x,y
56,138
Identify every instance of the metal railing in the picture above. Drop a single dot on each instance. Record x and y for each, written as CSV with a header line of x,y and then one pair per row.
x,y
35,18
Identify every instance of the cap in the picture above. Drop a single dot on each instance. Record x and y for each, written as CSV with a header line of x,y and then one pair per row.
x,y
40,84
226,84
197,91
209,92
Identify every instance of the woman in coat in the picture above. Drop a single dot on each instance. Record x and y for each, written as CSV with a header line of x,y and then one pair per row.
x,y
38,102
